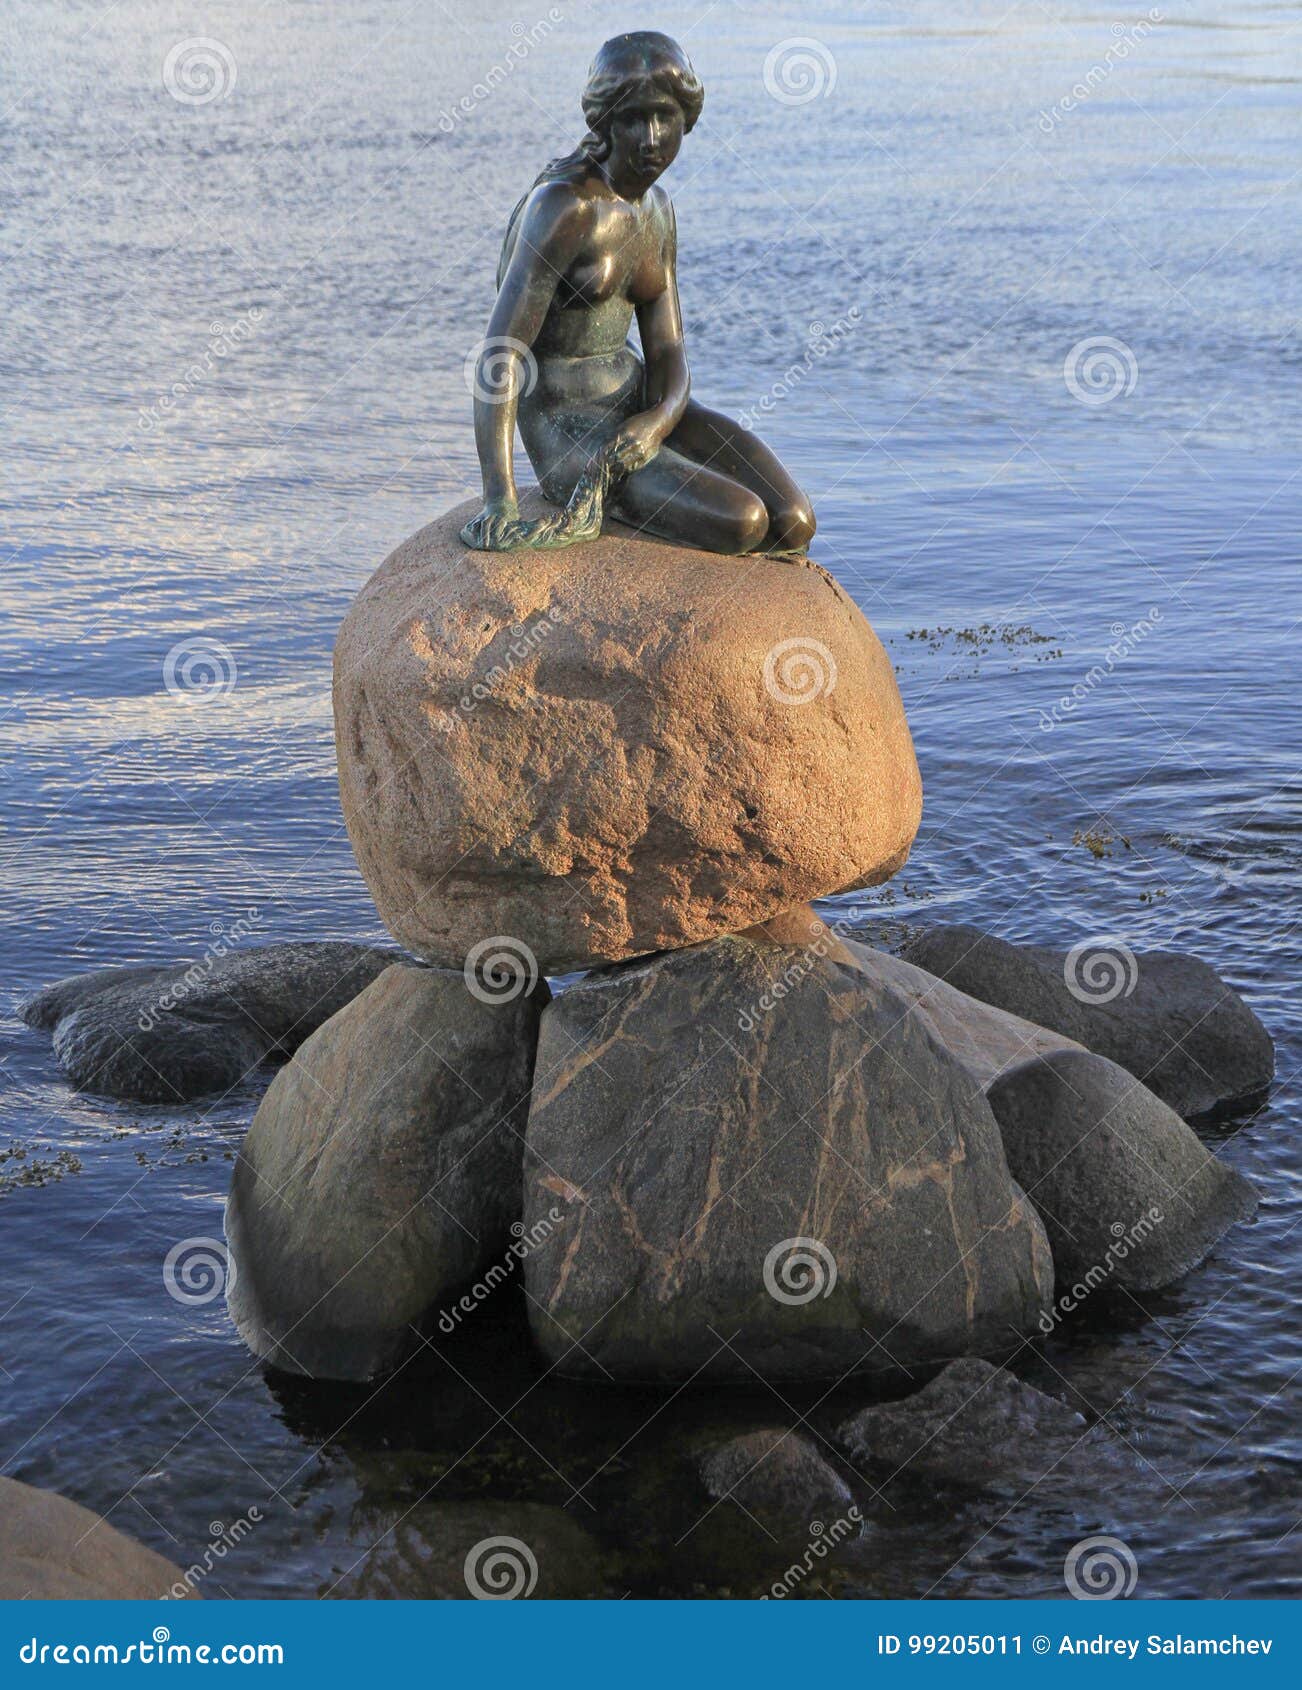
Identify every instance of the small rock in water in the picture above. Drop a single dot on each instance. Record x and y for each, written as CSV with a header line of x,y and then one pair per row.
x,y
381,1172
974,1424
52,1549
165,1035
1168,1019
486,1551
779,1477
1126,1190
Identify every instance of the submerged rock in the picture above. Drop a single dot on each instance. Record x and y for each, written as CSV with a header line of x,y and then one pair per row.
x,y
53,1549
480,1551
1126,1190
1168,1019
164,1035
778,1477
974,1424
768,1166
620,748
381,1172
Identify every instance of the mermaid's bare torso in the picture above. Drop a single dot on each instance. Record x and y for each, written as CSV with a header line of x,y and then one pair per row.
x,y
589,379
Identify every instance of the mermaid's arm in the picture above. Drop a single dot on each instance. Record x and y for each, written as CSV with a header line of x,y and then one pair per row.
x,y
660,329
551,230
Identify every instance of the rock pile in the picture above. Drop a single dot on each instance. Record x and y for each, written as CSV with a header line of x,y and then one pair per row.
x,y
740,1146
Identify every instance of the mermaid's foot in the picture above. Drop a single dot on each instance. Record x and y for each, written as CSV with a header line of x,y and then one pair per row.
x,y
791,554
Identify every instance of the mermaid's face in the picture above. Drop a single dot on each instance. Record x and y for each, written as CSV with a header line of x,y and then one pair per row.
x,y
645,132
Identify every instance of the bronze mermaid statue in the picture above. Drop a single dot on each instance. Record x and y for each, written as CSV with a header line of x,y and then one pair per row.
x,y
609,432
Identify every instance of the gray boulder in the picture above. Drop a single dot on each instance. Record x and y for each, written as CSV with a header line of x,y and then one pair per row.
x,y
1126,1190
984,1039
164,1035
778,1477
55,1550
381,1172
974,1424
763,1164
1168,1019
480,1551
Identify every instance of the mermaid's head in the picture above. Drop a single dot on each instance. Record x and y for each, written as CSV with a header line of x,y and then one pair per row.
x,y
642,96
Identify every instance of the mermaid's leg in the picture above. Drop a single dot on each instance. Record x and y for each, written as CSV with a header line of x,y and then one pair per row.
x,y
694,506
728,494
710,438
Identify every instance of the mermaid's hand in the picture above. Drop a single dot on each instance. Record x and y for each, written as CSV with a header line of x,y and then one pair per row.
x,y
497,528
635,444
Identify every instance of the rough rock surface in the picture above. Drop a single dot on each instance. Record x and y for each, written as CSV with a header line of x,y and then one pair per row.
x,y
765,1164
778,1477
56,1550
1126,1191
482,1551
619,748
161,1035
1169,1019
984,1039
974,1424
380,1173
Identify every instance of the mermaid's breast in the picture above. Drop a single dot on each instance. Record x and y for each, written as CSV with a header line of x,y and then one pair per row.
x,y
591,283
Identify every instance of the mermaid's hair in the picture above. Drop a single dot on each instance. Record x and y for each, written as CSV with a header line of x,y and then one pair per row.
x,y
624,63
